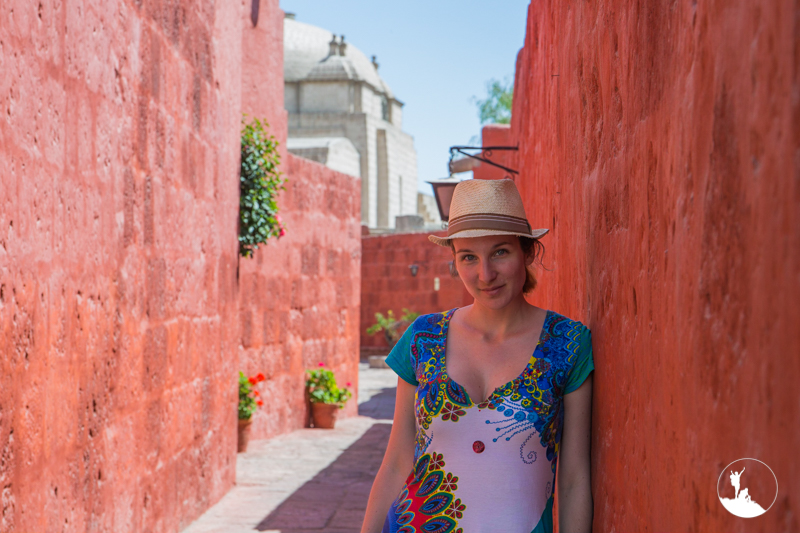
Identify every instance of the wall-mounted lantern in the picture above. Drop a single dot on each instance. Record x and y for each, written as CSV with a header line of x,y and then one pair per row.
x,y
414,269
443,192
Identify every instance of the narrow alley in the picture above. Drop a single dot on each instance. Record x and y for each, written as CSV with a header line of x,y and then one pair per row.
x,y
310,480
212,213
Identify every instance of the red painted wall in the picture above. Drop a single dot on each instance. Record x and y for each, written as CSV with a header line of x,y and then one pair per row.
x,y
299,302
300,295
496,135
659,142
262,68
119,154
387,283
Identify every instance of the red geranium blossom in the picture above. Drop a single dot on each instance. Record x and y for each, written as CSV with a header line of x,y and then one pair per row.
x,y
252,380
260,377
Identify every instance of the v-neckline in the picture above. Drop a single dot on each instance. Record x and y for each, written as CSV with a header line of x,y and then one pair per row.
x,y
446,328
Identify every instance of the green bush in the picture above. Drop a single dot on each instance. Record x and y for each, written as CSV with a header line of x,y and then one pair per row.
x,y
322,387
388,321
260,180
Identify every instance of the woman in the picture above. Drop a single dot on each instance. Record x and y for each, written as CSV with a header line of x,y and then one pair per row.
x,y
475,442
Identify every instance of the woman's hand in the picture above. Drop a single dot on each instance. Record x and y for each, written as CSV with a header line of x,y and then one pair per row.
x,y
397,461
574,470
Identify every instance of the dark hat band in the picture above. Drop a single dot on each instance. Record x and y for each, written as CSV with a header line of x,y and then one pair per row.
x,y
488,221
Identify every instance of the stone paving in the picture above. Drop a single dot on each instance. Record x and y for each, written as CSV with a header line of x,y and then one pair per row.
x,y
311,480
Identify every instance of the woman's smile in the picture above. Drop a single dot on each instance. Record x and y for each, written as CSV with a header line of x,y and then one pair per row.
x,y
493,290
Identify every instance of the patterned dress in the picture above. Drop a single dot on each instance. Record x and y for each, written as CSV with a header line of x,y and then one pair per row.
x,y
488,467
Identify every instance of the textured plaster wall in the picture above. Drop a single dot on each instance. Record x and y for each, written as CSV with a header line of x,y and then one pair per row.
x,y
262,68
387,283
300,296
118,194
494,135
659,141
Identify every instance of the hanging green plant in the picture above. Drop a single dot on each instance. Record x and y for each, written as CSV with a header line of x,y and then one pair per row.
x,y
260,180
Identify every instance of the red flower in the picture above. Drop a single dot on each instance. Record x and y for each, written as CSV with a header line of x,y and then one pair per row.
x,y
456,509
436,462
282,232
450,483
255,392
348,384
259,402
452,412
321,363
260,377
252,380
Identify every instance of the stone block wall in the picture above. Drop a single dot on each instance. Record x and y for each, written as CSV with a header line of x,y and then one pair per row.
x,y
119,156
300,295
659,142
387,283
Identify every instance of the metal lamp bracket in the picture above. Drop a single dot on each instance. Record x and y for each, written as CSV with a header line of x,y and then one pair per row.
x,y
483,154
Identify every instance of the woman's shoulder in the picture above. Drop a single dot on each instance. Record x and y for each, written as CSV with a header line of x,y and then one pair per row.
x,y
432,322
557,320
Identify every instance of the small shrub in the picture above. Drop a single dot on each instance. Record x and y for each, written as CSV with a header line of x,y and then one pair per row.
x,y
249,398
322,387
259,183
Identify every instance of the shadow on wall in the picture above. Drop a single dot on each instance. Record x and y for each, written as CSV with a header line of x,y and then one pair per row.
x,y
334,501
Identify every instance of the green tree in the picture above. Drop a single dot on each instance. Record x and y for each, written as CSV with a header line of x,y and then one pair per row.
x,y
496,107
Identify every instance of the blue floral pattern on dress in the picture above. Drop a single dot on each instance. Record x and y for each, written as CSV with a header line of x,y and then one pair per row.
x,y
531,403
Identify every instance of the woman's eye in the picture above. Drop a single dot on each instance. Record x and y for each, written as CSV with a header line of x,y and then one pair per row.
x,y
467,257
502,250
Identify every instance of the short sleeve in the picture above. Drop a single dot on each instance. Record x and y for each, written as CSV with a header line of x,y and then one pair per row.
x,y
584,363
399,358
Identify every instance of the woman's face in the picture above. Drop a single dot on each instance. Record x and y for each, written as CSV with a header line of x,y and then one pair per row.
x,y
492,268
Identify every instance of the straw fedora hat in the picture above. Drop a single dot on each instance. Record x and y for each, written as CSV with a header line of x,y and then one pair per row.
x,y
486,207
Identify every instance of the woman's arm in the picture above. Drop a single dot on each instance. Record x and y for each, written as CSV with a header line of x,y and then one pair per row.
x,y
397,461
574,469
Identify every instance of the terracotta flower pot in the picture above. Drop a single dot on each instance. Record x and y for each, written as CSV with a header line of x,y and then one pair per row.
x,y
324,414
243,434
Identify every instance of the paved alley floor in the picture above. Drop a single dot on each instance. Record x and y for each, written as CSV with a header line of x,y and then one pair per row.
x,y
311,480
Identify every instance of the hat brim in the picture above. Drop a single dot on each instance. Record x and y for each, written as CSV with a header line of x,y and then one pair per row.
x,y
445,241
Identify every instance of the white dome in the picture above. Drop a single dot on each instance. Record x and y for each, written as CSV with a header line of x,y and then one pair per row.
x,y
306,57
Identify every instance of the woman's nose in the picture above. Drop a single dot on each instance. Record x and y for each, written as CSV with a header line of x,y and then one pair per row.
x,y
487,273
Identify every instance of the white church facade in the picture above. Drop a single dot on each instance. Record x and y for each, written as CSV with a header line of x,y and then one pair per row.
x,y
343,115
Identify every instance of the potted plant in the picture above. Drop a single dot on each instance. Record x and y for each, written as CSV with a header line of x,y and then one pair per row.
x,y
326,396
249,401
392,328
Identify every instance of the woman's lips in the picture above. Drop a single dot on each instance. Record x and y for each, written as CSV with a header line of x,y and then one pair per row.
x,y
493,291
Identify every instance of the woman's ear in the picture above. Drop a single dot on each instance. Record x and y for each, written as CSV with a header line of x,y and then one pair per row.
x,y
529,258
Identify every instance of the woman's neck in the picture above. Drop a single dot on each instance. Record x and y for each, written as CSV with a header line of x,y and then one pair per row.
x,y
499,324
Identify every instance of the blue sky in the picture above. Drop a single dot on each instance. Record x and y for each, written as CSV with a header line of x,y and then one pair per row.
x,y
434,55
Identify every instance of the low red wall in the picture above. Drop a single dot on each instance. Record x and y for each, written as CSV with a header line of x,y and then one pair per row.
x,y
659,142
300,295
387,283
119,154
